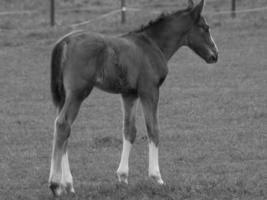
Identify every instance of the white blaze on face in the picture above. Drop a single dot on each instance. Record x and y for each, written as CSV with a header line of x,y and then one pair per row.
x,y
124,163
211,38
153,169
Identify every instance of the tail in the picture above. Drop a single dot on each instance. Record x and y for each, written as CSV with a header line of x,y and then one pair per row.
x,y
57,87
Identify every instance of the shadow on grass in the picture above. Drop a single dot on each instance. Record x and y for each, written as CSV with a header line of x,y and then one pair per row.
x,y
147,189
141,190
106,141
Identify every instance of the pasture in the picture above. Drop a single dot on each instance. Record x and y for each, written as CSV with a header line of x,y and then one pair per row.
x,y
213,118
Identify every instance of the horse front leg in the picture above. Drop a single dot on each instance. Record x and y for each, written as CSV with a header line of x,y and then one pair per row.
x,y
129,133
149,102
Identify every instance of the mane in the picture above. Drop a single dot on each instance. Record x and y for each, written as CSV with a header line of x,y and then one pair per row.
x,y
159,19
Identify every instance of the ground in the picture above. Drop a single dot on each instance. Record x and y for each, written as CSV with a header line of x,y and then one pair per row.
x,y
213,141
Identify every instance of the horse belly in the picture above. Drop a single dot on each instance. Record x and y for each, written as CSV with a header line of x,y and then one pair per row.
x,y
115,81
118,72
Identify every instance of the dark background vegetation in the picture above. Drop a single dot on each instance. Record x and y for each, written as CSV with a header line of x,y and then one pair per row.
x,y
213,117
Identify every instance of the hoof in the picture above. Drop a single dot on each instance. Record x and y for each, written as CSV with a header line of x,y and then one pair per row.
x,y
59,189
70,188
123,178
157,179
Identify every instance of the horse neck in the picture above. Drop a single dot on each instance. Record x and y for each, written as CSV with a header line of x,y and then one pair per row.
x,y
169,35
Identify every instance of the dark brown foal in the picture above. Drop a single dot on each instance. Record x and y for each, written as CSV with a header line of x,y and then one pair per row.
x,y
133,65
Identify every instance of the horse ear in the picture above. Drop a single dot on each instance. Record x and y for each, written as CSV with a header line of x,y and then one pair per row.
x,y
190,4
196,11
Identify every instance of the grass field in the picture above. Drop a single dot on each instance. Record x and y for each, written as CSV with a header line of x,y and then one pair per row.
x,y
213,118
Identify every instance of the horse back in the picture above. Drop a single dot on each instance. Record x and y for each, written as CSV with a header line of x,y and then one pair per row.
x,y
113,64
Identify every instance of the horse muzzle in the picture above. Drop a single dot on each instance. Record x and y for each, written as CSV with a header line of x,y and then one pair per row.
x,y
213,58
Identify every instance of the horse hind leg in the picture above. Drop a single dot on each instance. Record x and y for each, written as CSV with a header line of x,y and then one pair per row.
x,y
66,178
129,133
60,179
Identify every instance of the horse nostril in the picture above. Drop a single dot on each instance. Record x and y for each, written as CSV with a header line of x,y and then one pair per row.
x,y
216,57
213,58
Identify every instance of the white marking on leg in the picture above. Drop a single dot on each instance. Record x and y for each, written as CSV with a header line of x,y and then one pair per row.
x,y
123,169
66,178
153,170
54,171
51,167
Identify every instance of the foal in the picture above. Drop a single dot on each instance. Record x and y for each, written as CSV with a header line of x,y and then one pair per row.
x,y
133,65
